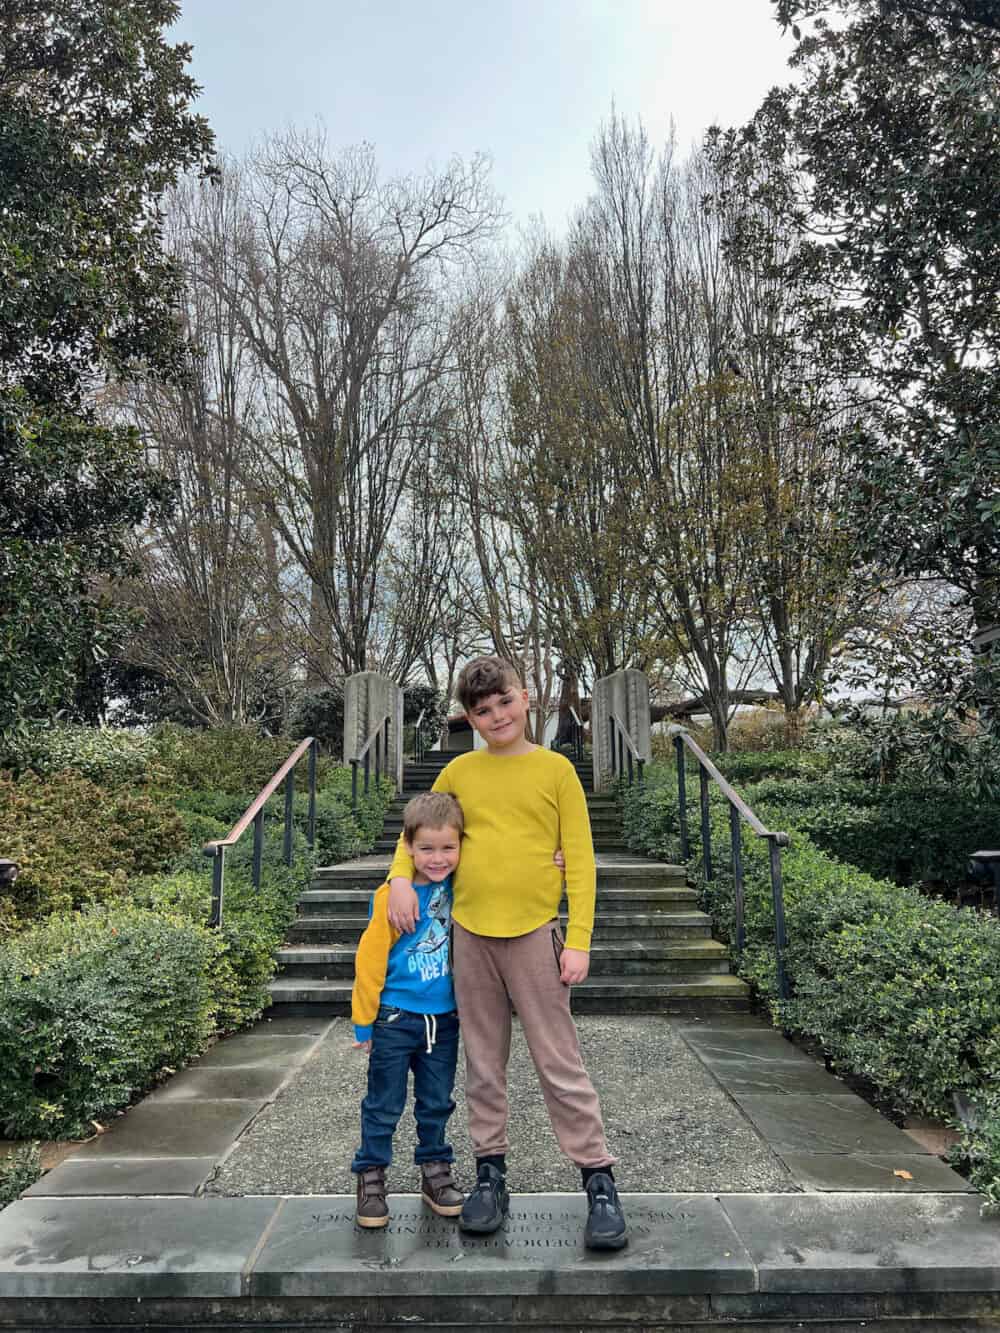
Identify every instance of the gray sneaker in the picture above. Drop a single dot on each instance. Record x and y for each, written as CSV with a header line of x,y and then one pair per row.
x,y
486,1207
606,1228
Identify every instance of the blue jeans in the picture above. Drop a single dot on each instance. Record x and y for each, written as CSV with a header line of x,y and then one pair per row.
x,y
399,1044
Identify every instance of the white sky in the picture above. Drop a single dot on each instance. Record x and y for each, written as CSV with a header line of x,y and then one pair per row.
x,y
527,81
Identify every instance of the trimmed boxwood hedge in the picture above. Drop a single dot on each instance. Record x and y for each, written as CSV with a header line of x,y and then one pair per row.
x,y
899,988
96,1003
883,829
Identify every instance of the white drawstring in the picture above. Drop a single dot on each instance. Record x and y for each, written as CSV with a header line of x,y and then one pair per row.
x,y
430,1030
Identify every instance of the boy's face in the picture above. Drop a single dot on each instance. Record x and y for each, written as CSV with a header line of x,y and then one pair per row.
x,y
435,853
501,718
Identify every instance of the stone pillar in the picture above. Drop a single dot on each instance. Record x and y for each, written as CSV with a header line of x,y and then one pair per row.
x,y
625,693
368,697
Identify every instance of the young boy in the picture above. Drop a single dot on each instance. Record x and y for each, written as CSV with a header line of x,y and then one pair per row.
x,y
520,801
403,1010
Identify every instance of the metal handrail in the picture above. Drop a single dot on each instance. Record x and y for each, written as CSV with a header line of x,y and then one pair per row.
x,y
577,733
380,739
254,814
623,750
738,809
418,737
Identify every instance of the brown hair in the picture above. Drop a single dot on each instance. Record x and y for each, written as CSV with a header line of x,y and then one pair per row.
x,y
432,809
484,676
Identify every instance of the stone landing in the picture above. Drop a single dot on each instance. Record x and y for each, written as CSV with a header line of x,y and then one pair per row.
x,y
694,1262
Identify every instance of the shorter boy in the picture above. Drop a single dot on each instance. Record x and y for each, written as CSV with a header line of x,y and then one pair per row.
x,y
403,1010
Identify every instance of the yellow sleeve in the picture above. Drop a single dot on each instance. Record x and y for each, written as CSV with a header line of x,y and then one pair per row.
x,y
402,861
371,962
581,869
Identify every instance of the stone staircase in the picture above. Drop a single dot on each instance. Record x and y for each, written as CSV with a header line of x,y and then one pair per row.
x,y
652,949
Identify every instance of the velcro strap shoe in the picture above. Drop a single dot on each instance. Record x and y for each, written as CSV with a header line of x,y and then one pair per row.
x,y
372,1209
438,1188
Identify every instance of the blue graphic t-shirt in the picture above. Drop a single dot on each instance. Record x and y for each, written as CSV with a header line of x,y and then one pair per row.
x,y
418,971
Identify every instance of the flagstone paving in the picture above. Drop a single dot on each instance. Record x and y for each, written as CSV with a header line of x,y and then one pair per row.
x,y
717,1105
760,1190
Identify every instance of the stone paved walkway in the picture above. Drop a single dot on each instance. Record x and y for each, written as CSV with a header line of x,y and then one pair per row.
x,y
722,1105
757,1186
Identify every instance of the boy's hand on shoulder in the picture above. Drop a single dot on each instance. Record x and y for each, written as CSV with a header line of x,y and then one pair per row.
x,y
363,1045
559,859
574,966
403,908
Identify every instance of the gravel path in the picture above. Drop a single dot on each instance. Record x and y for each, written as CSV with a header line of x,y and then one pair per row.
x,y
668,1121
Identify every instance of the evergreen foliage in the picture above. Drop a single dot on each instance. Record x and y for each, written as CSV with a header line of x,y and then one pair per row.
x,y
94,127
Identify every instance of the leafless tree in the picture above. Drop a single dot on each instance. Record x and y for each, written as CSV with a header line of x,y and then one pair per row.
x,y
341,292
209,587
652,269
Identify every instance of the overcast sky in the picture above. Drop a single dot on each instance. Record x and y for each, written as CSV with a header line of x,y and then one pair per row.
x,y
527,81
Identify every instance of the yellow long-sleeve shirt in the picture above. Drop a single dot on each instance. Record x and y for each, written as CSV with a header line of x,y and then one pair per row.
x,y
518,810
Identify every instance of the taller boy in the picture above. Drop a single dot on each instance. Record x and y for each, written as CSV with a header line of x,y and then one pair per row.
x,y
521,802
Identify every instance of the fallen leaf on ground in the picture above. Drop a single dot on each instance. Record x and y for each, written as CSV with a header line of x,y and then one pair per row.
x,y
903,1175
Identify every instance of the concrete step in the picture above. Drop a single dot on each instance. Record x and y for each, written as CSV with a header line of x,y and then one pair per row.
x,y
600,822
334,961
617,871
628,898
607,994
827,1261
614,928
326,931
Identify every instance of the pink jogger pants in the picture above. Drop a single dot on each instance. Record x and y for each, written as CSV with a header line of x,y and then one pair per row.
x,y
492,974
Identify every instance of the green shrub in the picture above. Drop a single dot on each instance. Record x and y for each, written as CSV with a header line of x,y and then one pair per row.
x,y
319,712
887,831
254,921
978,1151
92,1006
78,843
367,820
340,834
754,766
899,988
227,759
109,756
18,1171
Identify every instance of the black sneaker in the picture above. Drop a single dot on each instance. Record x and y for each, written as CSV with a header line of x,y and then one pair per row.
x,y
605,1220
486,1207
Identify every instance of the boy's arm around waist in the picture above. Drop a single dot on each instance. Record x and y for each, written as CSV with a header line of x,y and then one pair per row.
x,y
371,962
578,849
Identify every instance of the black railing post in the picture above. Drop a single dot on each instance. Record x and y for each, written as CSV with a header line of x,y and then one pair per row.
x,y
218,876
368,765
611,737
621,756
311,822
289,798
354,784
737,842
682,809
777,894
706,826
630,765
640,764
378,757
258,845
